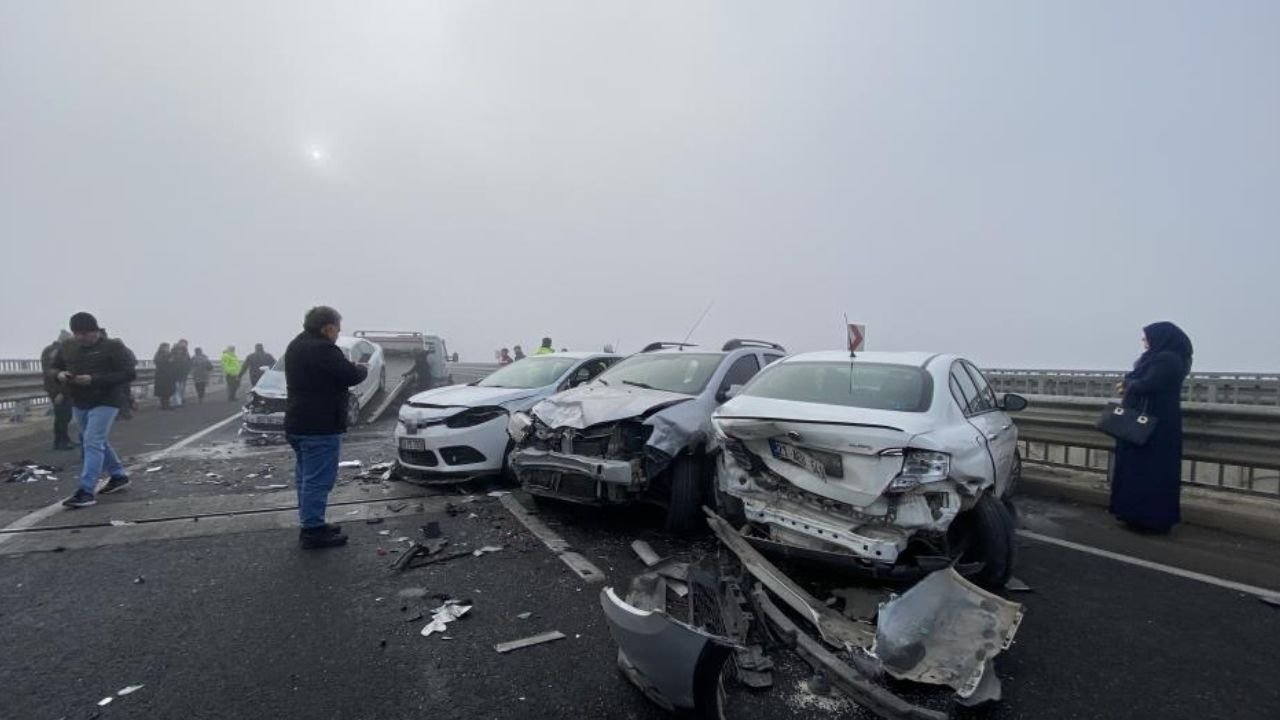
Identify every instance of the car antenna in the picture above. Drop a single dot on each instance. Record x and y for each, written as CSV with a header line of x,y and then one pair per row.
x,y
695,325
852,354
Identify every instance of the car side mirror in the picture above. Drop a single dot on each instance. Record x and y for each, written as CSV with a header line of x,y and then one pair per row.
x,y
1013,403
729,393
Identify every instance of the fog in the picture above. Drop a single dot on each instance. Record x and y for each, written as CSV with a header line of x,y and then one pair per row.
x,y
1024,183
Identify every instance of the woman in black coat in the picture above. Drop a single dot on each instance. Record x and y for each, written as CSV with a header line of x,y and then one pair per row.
x,y
164,380
1146,480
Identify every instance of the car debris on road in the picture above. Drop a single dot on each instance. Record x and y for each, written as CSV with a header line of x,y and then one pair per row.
x,y
539,639
25,471
441,616
943,630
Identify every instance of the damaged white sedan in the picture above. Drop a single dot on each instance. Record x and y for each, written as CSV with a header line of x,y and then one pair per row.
x,y
895,464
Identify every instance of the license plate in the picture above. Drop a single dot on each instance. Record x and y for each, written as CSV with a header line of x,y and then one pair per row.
x,y
266,419
796,456
412,444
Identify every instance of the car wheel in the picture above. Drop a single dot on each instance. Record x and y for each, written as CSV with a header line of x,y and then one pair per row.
x,y
509,473
684,514
353,411
986,534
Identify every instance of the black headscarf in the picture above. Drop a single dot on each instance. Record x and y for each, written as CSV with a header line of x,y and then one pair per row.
x,y
1165,337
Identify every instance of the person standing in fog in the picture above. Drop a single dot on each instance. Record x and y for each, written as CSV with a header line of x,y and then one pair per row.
x,y
232,369
504,357
180,360
257,360
201,366
545,348
58,399
163,383
1146,480
95,372
518,353
318,379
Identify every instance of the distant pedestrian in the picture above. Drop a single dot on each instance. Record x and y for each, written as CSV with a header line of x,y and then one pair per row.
x,y
58,398
232,369
518,352
318,377
95,372
163,382
180,358
1146,480
504,357
254,364
545,348
201,366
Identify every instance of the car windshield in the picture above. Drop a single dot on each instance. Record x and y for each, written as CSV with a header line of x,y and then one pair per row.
x,y
273,380
680,372
530,372
902,388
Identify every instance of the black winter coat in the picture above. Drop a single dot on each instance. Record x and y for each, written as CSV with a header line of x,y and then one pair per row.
x,y
111,365
1146,480
318,376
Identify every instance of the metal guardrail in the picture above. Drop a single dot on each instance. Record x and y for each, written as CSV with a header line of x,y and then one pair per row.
x,y
22,391
1216,388
1232,447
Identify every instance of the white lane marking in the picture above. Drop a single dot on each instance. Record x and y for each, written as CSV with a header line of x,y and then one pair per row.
x,y
1268,595
578,564
37,516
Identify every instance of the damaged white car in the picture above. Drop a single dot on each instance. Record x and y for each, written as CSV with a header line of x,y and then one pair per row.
x,y
263,414
458,432
896,464
641,431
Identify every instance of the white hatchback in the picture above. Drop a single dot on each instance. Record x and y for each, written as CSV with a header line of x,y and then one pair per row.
x,y
263,415
454,433
895,463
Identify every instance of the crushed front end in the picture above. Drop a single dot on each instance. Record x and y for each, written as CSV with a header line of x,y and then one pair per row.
x,y
263,417
602,464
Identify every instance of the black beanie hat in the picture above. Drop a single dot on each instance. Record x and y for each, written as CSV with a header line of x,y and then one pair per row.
x,y
83,322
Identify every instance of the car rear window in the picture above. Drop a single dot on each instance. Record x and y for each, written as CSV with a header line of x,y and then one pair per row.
x,y
875,386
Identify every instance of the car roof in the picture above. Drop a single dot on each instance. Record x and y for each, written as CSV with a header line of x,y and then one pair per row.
x,y
914,359
573,355
690,350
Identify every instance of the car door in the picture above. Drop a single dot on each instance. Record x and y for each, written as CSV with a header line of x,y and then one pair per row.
x,y
364,352
742,370
997,426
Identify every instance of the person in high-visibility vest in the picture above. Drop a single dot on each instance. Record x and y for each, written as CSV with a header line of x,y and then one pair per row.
x,y
231,368
545,348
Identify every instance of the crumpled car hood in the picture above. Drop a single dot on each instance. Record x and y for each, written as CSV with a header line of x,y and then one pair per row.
x,y
596,403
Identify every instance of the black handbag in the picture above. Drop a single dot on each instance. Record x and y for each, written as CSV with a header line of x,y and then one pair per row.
x,y
1126,424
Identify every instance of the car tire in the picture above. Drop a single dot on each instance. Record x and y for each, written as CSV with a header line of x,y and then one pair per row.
x,y
684,513
989,529
507,472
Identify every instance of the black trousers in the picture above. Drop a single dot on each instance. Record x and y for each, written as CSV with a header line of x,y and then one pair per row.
x,y
61,419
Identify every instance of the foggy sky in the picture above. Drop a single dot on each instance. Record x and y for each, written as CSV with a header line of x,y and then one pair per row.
x,y
1023,183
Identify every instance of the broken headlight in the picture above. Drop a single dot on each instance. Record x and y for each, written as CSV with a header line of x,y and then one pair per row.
x,y
518,426
920,467
474,416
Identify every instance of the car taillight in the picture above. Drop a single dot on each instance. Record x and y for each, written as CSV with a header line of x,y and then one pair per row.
x,y
920,467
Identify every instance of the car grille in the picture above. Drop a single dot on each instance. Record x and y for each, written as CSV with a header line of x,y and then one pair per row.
x,y
578,486
421,458
461,455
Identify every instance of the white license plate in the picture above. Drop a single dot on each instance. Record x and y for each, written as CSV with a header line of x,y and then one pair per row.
x,y
795,455
412,444
266,419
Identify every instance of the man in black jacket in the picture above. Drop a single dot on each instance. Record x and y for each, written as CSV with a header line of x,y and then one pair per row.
x,y
257,360
57,396
95,372
318,376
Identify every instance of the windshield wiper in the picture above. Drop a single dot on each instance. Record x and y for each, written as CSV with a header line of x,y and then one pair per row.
x,y
602,381
634,383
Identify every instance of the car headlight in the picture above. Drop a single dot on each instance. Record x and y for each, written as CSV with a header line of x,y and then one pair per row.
x,y
518,426
920,467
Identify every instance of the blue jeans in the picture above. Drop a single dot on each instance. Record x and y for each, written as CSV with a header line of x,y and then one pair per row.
x,y
95,426
316,471
179,392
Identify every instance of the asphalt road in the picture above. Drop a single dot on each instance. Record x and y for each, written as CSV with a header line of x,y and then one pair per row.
x,y
206,601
